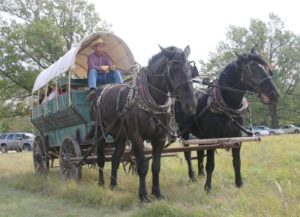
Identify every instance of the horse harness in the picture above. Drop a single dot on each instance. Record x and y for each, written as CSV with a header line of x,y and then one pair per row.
x,y
215,103
219,106
145,101
139,95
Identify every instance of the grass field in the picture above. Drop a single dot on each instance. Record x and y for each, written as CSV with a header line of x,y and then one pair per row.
x,y
270,169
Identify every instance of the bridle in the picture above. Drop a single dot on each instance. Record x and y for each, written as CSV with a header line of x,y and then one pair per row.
x,y
172,87
246,78
255,85
146,100
218,102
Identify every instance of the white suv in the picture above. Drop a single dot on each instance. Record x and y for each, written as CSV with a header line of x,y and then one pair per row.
x,y
16,141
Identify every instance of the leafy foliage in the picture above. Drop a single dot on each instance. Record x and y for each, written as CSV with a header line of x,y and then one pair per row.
x,y
33,35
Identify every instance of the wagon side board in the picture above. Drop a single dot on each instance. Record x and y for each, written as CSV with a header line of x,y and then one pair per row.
x,y
60,118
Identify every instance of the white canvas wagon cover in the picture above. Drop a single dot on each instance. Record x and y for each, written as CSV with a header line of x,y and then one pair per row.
x,y
76,58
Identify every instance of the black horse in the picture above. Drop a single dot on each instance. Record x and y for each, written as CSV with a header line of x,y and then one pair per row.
x,y
141,111
220,111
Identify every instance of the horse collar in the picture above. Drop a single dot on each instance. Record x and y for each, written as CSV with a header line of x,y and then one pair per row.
x,y
218,104
146,102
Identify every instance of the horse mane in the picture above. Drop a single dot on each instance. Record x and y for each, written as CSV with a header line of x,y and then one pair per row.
x,y
178,54
155,58
230,67
258,59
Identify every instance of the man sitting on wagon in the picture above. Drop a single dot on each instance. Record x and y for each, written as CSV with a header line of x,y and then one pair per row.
x,y
100,68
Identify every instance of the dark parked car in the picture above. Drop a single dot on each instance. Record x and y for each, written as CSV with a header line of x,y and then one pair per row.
x,y
16,141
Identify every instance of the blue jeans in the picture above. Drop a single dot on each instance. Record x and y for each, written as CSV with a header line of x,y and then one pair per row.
x,y
94,78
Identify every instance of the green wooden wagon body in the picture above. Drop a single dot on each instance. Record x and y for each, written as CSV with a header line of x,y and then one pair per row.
x,y
63,122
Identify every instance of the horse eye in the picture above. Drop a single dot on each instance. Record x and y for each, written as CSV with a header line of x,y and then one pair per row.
x,y
270,72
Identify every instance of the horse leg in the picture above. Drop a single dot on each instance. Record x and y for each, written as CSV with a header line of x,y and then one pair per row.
x,y
101,163
116,158
187,155
236,160
200,156
141,164
157,147
210,165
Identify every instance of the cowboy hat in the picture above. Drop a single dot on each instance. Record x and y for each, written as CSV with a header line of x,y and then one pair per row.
x,y
98,41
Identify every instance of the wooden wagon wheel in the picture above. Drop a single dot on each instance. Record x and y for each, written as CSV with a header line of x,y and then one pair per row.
x,y
70,148
40,156
129,166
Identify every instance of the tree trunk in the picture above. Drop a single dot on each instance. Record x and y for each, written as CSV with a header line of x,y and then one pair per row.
x,y
274,116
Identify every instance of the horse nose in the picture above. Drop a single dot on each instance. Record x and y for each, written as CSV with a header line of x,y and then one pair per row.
x,y
190,107
275,95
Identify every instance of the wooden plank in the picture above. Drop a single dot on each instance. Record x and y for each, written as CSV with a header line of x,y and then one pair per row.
x,y
216,143
220,140
109,157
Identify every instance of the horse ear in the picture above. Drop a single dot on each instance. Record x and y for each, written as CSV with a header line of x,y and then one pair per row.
x,y
195,71
169,54
241,57
253,50
187,51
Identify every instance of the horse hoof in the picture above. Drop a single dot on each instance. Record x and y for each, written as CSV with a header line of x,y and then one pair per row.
x,y
113,187
145,199
239,184
207,188
158,196
201,174
193,177
101,184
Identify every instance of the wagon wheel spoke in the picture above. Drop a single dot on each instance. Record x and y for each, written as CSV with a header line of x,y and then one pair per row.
x,y
126,167
69,149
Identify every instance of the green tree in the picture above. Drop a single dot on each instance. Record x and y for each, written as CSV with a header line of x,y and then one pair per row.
x,y
280,47
4,127
33,35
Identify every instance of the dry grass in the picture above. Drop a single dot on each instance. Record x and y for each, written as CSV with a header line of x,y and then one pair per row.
x,y
271,172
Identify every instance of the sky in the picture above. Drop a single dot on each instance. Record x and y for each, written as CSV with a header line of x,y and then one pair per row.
x,y
201,24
